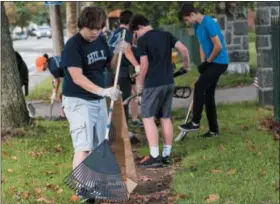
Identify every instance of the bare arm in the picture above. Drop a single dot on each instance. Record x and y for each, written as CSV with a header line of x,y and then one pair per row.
x,y
82,81
216,48
144,64
56,85
184,53
130,56
202,55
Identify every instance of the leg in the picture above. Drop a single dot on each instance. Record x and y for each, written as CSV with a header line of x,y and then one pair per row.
x,y
77,113
207,79
210,107
149,109
100,128
166,123
134,106
134,109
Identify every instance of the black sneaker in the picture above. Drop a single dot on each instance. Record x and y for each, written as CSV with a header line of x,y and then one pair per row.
x,y
166,160
151,162
189,127
134,140
210,134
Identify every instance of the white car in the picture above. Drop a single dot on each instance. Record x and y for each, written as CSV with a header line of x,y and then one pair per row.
x,y
43,31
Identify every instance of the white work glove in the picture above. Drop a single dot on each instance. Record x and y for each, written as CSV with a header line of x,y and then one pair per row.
x,y
137,69
53,96
112,93
121,46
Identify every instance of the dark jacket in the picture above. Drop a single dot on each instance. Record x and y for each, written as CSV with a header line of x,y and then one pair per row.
x,y
23,72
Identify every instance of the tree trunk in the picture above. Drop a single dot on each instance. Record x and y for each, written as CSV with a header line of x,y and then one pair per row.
x,y
14,113
71,18
57,29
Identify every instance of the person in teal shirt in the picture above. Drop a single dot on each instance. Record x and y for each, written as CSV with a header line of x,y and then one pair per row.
x,y
214,62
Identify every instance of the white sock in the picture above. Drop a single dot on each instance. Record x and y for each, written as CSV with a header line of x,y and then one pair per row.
x,y
166,150
154,151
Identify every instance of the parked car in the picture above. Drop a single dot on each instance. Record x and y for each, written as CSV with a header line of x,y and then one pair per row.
x,y
43,31
19,36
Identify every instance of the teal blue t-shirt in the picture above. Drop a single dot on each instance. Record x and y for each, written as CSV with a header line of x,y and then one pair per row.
x,y
204,31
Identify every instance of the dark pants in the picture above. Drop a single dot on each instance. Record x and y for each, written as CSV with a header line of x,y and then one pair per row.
x,y
125,87
204,93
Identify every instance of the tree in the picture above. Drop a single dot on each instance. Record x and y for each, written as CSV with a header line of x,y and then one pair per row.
x,y
20,13
14,113
71,17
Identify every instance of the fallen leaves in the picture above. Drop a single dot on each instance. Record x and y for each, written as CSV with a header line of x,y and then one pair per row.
x,y
262,172
221,148
232,171
36,154
44,200
217,171
14,158
251,146
212,198
10,170
58,148
38,190
75,198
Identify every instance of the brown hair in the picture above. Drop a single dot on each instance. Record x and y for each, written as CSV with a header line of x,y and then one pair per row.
x,y
92,17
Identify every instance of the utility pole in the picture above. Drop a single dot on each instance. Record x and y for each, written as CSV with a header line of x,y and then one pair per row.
x,y
57,29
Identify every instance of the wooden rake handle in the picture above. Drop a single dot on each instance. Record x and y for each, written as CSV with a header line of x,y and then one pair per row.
x,y
115,86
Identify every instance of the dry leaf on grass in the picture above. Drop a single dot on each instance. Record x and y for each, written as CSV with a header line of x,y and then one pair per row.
x,y
221,148
26,195
182,196
232,171
10,170
12,188
212,198
262,172
43,200
217,171
60,190
38,190
75,198
14,158
58,148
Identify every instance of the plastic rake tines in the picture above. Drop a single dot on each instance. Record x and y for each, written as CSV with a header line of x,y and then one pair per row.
x,y
99,176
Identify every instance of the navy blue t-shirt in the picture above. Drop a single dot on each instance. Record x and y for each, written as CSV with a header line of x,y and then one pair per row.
x,y
55,67
91,57
157,46
115,37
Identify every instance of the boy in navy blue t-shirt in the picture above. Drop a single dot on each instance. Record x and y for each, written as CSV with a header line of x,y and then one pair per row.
x,y
84,59
156,84
214,60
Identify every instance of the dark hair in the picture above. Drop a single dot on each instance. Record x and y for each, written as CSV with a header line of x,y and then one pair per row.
x,y
46,56
125,17
92,17
138,20
187,9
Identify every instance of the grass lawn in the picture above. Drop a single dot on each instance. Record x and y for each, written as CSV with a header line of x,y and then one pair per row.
x,y
241,166
243,161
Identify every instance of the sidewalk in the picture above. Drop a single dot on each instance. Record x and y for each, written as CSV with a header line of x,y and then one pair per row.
x,y
230,95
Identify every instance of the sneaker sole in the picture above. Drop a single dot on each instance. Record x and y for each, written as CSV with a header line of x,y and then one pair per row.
x,y
157,165
184,130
